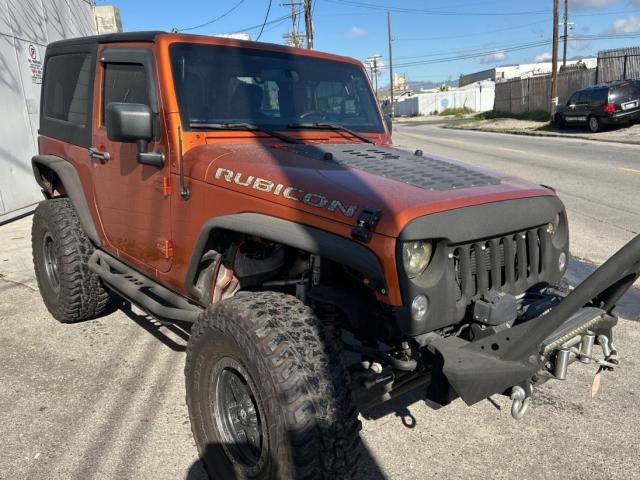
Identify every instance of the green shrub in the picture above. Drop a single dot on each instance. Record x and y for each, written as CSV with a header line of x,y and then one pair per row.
x,y
458,112
536,116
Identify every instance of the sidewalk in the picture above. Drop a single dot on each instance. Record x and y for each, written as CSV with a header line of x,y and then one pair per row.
x,y
629,135
16,263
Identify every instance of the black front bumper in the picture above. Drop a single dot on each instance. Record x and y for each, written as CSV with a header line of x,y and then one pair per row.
x,y
514,356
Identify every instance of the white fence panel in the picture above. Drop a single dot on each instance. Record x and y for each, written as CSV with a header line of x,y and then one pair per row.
x,y
17,188
406,107
26,27
478,97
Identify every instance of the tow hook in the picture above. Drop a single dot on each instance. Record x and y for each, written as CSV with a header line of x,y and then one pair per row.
x,y
520,403
581,348
609,352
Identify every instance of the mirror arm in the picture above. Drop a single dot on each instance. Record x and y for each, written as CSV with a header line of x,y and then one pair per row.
x,y
155,159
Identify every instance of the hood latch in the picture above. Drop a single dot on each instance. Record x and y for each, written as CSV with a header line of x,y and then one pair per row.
x,y
367,220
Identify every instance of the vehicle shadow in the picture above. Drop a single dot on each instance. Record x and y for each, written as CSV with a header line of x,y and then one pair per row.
x,y
159,330
367,468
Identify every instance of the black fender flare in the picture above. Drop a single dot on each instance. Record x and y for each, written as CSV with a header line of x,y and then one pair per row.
x,y
72,185
318,242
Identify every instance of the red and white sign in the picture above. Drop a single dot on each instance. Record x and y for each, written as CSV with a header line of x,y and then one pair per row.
x,y
35,64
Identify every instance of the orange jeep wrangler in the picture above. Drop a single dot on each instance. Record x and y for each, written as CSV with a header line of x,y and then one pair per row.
x,y
252,190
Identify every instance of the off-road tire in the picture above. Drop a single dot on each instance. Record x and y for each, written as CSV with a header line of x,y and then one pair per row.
x,y
302,393
594,124
75,293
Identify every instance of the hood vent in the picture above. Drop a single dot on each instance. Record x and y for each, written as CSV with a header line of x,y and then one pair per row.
x,y
420,171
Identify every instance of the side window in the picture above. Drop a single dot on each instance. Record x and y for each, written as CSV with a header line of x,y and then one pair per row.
x,y
599,97
124,83
66,88
574,99
583,97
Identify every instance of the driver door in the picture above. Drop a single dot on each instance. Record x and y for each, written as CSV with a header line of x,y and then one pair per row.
x,y
133,200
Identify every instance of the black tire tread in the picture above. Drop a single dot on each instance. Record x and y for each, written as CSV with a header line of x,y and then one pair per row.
x,y
82,295
312,381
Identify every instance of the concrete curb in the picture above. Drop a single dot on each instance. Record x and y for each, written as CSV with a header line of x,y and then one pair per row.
x,y
533,133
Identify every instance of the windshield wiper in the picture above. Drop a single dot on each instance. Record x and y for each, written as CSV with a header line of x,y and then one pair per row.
x,y
249,127
330,126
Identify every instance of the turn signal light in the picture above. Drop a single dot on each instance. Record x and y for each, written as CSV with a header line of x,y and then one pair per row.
x,y
609,108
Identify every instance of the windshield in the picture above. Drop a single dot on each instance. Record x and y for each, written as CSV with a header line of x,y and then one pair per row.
x,y
219,84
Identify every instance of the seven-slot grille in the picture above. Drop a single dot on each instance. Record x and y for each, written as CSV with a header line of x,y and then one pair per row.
x,y
512,263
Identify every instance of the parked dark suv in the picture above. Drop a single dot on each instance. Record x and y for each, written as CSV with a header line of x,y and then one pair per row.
x,y
612,103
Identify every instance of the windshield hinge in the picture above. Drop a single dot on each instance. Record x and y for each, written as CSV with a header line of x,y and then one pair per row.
x,y
367,221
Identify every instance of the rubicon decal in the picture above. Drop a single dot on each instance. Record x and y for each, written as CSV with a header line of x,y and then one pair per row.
x,y
290,193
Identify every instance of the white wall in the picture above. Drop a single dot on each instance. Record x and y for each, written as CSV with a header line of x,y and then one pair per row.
x,y
531,69
478,96
26,27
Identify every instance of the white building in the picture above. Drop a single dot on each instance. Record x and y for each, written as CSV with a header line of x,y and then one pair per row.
x,y
107,19
506,72
26,27
478,97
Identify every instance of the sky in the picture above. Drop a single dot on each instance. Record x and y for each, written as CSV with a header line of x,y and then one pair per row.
x,y
432,41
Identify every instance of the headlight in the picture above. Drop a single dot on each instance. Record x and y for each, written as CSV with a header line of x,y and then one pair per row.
x,y
552,228
416,256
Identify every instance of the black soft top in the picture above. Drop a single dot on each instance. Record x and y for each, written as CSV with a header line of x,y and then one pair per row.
x,y
108,38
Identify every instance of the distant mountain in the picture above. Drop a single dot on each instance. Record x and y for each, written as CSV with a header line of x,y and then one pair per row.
x,y
427,85
416,86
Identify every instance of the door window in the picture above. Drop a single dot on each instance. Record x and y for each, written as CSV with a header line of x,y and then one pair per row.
x,y
124,83
583,97
574,99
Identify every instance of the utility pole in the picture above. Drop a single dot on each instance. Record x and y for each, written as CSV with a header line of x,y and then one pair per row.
x,y
293,38
372,63
554,59
566,32
308,24
391,58
375,73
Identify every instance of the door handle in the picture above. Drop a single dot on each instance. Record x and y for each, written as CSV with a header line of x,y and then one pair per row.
x,y
95,153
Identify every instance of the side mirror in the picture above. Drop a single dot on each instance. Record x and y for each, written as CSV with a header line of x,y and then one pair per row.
x,y
389,121
133,123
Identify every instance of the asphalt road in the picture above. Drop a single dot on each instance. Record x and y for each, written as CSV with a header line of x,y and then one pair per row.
x,y
598,182
104,399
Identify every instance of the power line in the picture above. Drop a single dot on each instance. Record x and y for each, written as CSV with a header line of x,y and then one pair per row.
x,y
476,54
266,17
466,51
270,22
513,48
476,34
212,21
372,6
